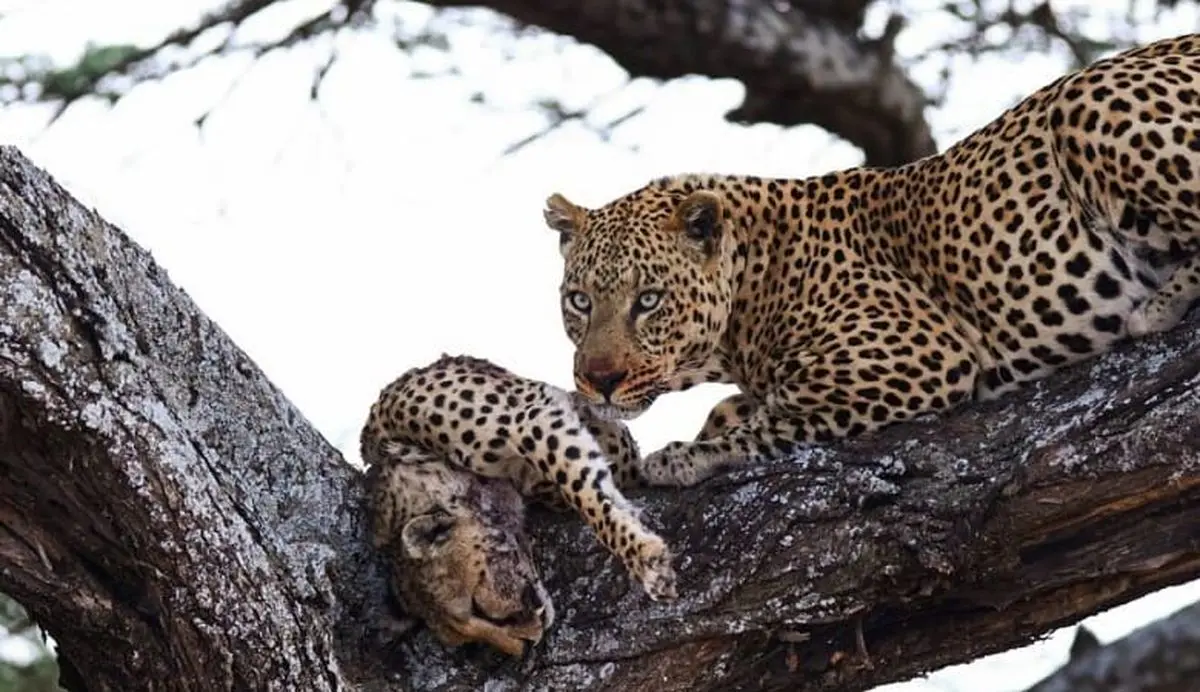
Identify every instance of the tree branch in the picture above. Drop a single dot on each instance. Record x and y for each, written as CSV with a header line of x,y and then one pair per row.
x,y
1163,656
164,512
175,523
1046,28
34,77
801,62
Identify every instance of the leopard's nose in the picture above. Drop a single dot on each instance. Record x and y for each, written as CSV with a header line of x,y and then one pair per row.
x,y
605,381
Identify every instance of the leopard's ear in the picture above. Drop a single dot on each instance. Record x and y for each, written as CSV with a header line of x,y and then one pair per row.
x,y
700,218
564,216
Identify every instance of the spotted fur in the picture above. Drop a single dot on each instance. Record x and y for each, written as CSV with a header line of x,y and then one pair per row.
x,y
848,301
548,443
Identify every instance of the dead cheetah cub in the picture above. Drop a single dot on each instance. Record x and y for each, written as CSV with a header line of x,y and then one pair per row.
x,y
550,445
457,554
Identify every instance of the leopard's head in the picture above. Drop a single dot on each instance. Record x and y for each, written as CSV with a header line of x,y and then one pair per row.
x,y
646,290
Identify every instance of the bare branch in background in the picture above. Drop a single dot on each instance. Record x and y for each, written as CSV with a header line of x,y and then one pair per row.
x,y
797,65
108,71
1030,31
801,61
556,116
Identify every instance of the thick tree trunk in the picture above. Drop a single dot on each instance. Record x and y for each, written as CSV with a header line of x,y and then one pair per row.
x,y
176,524
165,513
1163,656
801,62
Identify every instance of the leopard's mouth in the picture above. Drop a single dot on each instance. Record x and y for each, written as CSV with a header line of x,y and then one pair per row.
x,y
614,412
624,405
630,400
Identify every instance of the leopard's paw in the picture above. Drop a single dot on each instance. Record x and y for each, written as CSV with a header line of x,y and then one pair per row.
x,y
652,567
673,466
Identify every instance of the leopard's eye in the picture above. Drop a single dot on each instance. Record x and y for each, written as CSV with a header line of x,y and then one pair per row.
x,y
647,301
578,301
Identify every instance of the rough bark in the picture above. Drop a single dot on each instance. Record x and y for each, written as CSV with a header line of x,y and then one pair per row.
x,y
176,524
801,62
164,512
1163,656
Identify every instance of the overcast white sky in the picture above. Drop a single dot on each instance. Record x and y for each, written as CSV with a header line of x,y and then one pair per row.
x,y
343,242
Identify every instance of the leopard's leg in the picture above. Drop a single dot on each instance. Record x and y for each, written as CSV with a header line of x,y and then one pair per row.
x,y
620,449
767,434
552,444
714,370
586,482
851,386
586,476
1167,306
729,413
1139,178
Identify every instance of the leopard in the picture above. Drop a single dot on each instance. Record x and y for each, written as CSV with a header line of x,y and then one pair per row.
x,y
847,301
458,558
547,443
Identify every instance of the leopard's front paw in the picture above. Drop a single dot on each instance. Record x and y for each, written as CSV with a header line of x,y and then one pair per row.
x,y
652,567
1156,316
674,466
